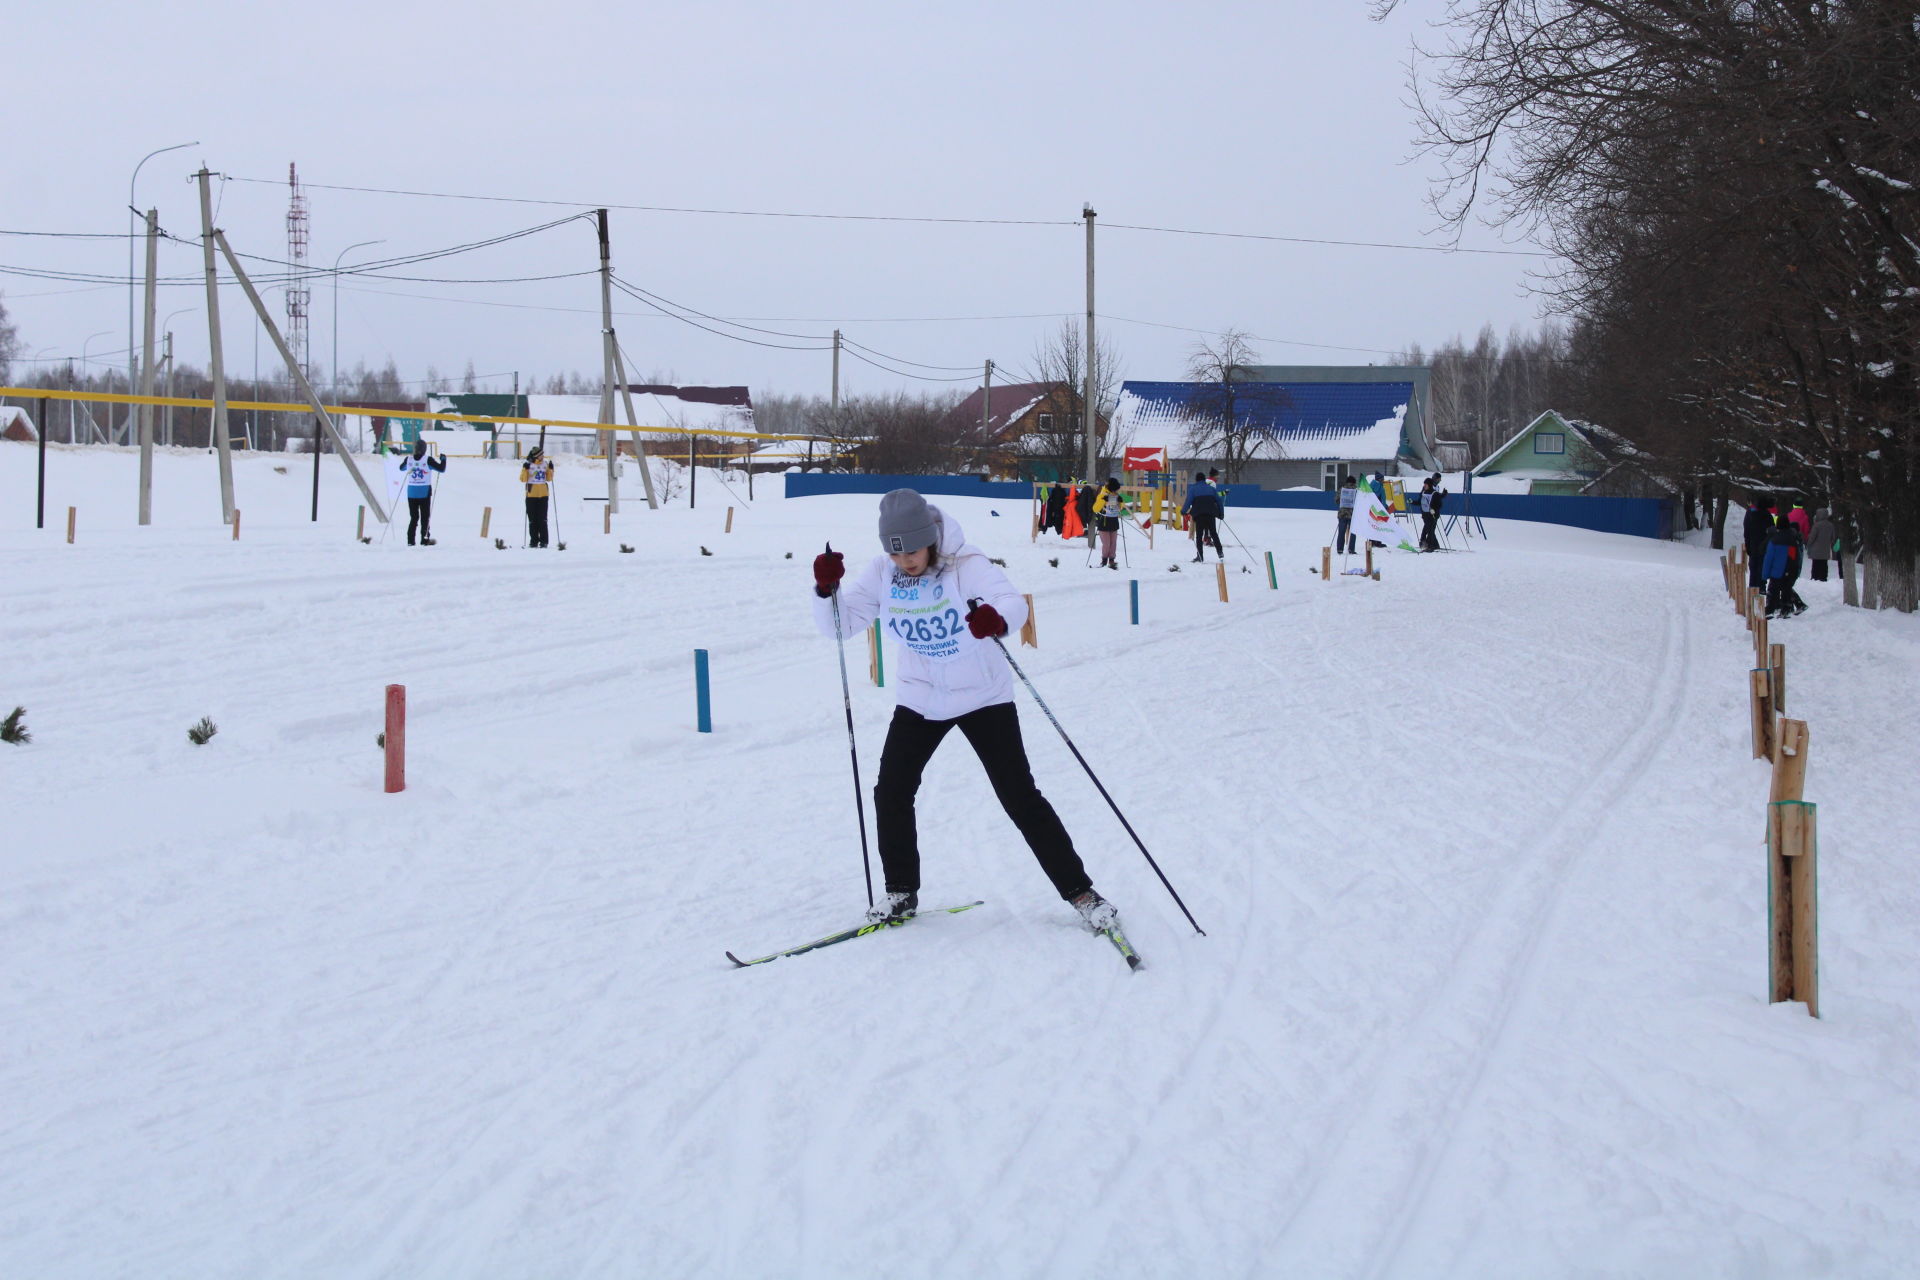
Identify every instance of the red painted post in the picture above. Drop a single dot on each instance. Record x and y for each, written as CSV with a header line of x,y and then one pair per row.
x,y
396,738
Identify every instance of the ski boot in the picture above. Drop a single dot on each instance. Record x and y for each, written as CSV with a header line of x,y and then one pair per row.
x,y
1096,911
894,906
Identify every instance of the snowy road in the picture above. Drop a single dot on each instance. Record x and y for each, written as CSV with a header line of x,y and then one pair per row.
x,y
1475,848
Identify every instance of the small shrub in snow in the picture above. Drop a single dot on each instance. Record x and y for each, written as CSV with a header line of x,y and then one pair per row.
x,y
200,734
13,729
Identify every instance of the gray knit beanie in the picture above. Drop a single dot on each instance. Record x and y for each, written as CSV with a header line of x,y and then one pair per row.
x,y
906,523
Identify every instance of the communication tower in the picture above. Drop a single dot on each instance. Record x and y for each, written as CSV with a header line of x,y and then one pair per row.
x,y
298,295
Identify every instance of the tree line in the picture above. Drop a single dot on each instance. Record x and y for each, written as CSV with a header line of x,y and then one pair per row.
x,y
1730,185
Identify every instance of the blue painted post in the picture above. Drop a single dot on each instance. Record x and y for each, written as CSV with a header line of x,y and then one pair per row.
x,y
1133,592
702,697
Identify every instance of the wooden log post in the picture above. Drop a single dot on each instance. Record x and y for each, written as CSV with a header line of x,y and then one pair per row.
x,y
360,525
1760,650
236,524
729,528
606,518
1030,629
1789,761
486,519
1777,663
1793,917
1761,681
1369,557
1326,564
72,514
1220,573
396,738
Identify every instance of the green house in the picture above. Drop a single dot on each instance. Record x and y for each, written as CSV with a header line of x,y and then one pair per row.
x,y
1556,455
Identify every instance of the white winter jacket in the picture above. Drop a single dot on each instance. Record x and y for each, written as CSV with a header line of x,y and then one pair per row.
x,y
940,669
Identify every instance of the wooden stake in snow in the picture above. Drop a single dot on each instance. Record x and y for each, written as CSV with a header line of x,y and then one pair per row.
x,y
236,524
71,513
1030,629
1761,681
729,528
606,518
360,524
396,739
1789,761
1220,573
1793,920
1777,663
486,518
1326,564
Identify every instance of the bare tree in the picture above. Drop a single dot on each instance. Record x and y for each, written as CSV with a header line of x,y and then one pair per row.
x,y
9,342
904,433
1060,364
1218,425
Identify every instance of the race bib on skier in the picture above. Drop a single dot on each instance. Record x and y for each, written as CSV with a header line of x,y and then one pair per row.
x,y
417,474
921,617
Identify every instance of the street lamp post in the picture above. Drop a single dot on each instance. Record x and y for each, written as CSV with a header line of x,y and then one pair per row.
x,y
132,359
84,362
168,332
336,307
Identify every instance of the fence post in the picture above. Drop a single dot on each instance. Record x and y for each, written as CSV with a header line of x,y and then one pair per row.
x,y
1273,580
360,524
1761,681
1220,573
1326,564
1793,918
1760,651
1789,761
606,518
1133,599
396,739
486,518
1777,661
236,524
703,702
72,512
1030,629
729,528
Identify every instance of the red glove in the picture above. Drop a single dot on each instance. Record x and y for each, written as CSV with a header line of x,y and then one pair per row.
x,y
828,569
985,622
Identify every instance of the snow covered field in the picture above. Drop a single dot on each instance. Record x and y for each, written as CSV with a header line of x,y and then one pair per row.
x,y
1478,849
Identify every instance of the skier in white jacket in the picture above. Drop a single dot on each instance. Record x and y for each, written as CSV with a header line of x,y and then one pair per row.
x,y
949,674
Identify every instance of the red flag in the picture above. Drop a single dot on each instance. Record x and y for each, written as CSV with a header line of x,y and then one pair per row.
x,y
1145,459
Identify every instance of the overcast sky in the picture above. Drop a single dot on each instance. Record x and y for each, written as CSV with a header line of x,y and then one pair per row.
x,y
1278,119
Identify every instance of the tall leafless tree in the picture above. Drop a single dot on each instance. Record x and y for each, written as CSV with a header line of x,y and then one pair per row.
x,y
1218,425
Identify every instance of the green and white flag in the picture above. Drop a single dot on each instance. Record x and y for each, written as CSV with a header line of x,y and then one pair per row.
x,y
1372,521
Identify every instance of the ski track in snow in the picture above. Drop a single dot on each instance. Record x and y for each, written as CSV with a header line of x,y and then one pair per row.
x,y
1473,847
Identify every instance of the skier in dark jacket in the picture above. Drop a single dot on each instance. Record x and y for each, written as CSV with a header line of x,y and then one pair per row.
x,y
1754,531
1780,567
1203,505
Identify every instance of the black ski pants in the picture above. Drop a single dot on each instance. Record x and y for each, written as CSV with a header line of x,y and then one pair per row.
x,y
1429,537
1206,534
419,516
536,522
1343,539
994,734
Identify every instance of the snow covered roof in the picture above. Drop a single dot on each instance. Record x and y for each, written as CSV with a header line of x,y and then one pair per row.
x,y
15,424
1355,421
1006,406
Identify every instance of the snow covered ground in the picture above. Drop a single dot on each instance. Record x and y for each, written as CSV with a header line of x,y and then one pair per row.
x,y
1478,849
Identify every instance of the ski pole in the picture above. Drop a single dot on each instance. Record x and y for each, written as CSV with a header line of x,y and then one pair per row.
x,y
1235,535
853,748
974,604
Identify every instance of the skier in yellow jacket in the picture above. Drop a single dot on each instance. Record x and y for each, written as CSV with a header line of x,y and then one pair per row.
x,y
536,473
1109,508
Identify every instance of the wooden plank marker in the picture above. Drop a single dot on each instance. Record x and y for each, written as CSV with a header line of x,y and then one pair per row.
x,y
1030,629
1220,574
1762,710
606,518
236,524
1326,564
72,512
729,528
396,739
1777,663
360,524
1793,918
1789,761
486,518
1760,650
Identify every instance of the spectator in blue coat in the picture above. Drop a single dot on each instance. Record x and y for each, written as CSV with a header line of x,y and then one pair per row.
x,y
1781,569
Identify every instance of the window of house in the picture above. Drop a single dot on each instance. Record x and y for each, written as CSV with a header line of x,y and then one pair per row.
x,y
1046,422
1329,476
1550,442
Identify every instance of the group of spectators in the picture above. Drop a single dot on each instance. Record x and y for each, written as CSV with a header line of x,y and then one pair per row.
x,y
1778,541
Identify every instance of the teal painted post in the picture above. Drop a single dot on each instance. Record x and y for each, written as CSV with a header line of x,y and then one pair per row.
x,y
702,697
1133,592
1273,581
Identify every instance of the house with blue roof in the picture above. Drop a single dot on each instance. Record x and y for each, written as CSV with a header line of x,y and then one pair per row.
x,y
1307,426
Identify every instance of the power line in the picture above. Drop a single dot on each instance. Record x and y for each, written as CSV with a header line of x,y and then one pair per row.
x,y
1350,244
719,333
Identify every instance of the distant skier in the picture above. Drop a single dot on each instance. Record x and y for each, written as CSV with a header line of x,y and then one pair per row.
x,y
1754,532
1343,540
537,476
1109,508
1781,569
949,674
1203,504
418,469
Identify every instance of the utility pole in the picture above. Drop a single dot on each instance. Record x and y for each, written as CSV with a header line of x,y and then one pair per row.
x,y
607,438
836,380
639,449
299,374
1090,415
216,360
144,412
986,400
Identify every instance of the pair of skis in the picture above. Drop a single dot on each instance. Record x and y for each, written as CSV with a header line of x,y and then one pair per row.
x,y
1111,934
